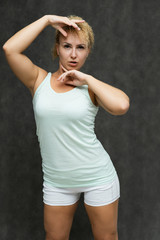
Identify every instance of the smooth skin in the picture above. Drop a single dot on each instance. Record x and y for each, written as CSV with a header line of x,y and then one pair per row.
x,y
58,219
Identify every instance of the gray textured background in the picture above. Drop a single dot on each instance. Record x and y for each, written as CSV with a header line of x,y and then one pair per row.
x,y
126,55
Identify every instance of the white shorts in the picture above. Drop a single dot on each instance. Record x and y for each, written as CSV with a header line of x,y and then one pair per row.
x,y
93,196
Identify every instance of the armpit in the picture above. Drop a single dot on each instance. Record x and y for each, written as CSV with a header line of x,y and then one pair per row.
x,y
93,97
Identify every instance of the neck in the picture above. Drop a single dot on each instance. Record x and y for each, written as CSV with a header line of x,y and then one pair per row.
x,y
58,72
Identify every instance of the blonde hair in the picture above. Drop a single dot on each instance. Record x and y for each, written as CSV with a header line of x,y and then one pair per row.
x,y
86,33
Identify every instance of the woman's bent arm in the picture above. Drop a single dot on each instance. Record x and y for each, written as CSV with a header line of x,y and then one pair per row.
x,y
112,99
21,65
23,38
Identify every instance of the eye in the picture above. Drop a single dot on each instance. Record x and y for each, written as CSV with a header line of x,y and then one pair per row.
x,y
66,46
81,47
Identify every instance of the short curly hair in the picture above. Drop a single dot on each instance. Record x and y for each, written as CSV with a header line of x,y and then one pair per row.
x,y
86,33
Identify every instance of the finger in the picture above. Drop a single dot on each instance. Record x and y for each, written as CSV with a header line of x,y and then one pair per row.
x,y
64,75
70,83
62,31
58,79
63,68
74,25
73,22
78,21
61,77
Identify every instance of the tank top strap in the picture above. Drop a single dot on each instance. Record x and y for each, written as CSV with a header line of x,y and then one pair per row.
x,y
47,78
84,89
44,83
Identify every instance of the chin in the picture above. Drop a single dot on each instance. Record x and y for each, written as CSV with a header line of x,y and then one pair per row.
x,y
72,68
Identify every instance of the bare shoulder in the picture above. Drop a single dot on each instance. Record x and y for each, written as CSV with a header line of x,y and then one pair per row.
x,y
41,76
93,97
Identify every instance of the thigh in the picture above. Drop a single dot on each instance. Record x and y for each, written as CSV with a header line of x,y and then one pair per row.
x,y
59,208
103,220
103,194
58,221
101,205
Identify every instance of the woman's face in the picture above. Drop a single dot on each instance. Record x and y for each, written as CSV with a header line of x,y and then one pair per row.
x,y
72,51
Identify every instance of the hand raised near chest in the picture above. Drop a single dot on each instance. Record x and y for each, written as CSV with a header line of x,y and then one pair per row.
x,y
73,77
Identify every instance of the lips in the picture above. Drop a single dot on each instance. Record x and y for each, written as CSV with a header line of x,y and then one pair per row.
x,y
73,63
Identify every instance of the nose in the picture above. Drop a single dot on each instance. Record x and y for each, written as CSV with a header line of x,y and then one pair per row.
x,y
73,53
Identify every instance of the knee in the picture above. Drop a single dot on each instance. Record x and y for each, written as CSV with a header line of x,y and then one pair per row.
x,y
112,236
55,236
108,236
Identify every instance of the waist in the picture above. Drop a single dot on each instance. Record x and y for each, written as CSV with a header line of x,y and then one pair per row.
x,y
86,173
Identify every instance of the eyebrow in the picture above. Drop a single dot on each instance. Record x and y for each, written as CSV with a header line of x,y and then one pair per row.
x,y
81,44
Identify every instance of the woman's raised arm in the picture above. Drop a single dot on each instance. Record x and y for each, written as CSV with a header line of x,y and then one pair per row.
x,y
21,65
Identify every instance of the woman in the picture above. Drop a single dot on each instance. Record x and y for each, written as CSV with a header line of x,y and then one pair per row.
x,y
65,104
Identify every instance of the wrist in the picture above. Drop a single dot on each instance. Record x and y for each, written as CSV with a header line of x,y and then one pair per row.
x,y
46,19
88,79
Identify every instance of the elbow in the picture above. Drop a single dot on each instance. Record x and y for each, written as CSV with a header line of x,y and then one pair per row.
x,y
9,49
5,48
121,109
124,106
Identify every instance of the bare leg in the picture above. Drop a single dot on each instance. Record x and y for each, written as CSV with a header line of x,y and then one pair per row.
x,y
58,221
103,220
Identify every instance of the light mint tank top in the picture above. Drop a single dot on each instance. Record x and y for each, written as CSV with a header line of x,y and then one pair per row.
x,y
72,156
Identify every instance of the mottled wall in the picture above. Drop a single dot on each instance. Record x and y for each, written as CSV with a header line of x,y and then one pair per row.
x,y
126,55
